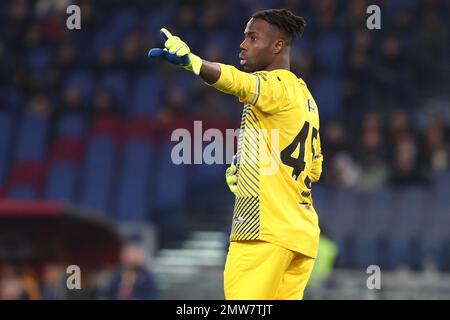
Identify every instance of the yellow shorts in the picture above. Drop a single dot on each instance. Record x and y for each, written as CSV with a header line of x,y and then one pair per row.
x,y
258,270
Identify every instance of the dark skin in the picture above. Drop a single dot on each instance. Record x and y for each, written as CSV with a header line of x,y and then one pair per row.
x,y
265,47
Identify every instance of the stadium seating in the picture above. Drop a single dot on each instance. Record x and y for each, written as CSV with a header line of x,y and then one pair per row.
x,y
326,92
328,51
6,132
167,193
22,193
71,125
99,174
83,81
116,83
145,96
134,194
118,162
32,139
39,60
61,184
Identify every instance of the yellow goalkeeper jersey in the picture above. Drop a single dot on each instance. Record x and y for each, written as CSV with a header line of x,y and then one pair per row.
x,y
279,156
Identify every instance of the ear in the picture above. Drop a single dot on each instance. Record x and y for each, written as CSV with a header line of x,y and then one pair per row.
x,y
278,46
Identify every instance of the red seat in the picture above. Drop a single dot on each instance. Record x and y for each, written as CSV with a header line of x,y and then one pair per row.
x,y
2,192
28,173
107,125
140,127
67,148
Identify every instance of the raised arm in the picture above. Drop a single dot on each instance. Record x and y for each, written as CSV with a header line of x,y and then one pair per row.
x,y
262,89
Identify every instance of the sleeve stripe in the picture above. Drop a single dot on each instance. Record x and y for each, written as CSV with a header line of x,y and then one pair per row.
x,y
256,96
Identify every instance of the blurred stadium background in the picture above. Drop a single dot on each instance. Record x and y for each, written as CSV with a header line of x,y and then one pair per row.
x,y
85,124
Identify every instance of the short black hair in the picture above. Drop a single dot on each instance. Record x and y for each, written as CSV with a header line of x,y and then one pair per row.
x,y
292,25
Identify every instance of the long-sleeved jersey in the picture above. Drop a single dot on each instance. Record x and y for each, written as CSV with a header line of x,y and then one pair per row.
x,y
279,156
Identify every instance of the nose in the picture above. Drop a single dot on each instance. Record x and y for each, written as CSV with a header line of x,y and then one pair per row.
x,y
242,46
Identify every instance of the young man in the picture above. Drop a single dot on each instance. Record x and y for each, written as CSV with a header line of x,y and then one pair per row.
x,y
275,233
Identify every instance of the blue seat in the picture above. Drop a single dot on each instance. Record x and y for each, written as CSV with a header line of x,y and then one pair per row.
x,y
394,7
145,97
219,40
206,183
98,174
204,175
6,125
184,83
71,125
116,83
102,39
157,17
32,140
329,50
304,46
82,80
170,195
20,192
123,23
61,184
38,61
12,99
133,198
326,91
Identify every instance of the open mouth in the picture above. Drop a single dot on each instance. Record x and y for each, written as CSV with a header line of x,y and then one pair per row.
x,y
242,59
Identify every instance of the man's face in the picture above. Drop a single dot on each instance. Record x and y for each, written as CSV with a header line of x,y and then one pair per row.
x,y
261,43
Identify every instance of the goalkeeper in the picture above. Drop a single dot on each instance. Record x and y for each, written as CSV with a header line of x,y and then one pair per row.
x,y
275,233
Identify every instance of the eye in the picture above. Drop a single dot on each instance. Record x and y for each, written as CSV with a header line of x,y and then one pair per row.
x,y
253,38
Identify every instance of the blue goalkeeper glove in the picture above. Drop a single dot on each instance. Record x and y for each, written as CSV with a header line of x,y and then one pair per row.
x,y
176,52
230,175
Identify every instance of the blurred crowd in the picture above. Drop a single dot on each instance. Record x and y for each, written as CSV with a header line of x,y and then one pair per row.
x,y
382,94
392,152
371,85
132,279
